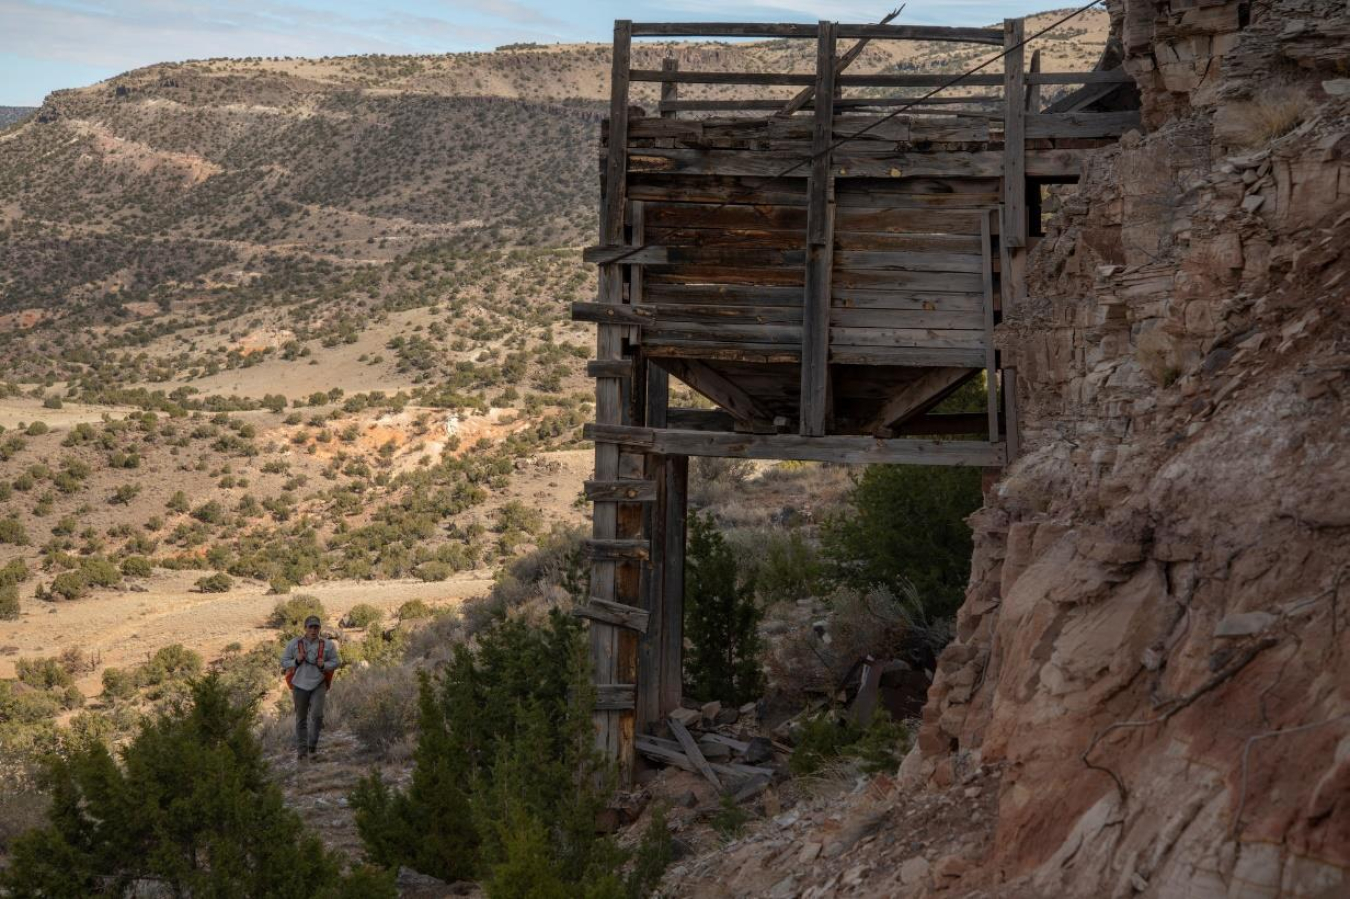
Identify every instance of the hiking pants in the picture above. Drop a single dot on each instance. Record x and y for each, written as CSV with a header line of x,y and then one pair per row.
x,y
308,716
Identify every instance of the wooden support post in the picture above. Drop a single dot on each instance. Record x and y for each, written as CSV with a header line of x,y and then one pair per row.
x,y
613,734
815,372
673,506
990,359
1033,87
1013,438
1014,231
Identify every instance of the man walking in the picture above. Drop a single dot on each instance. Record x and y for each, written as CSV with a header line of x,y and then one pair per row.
x,y
308,664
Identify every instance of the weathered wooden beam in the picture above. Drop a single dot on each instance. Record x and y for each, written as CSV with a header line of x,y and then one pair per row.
x,y
1033,104
700,420
923,393
990,358
1014,230
775,164
804,96
1081,124
610,314
829,448
791,29
730,396
614,697
617,549
1096,76
797,78
669,752
920,105
615,613
621,491
692,752
908,356
609,368
815,370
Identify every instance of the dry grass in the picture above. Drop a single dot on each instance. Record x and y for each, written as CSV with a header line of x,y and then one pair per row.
x,y
1273,112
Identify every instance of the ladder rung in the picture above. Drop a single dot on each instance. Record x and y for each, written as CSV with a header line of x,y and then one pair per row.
x,y
617,550
615,613
621,491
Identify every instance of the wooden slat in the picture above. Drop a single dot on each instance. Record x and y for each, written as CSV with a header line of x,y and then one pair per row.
x,y
908,356
898,280
905,337
772,30
909,319
1096,76
609,368
692,752
1014,232
667,348
805,95
990,363
740,294
621,491
1081,124
616,549
907,262
829,448
916,300
609,314
613,613
614,697
815,331
668,752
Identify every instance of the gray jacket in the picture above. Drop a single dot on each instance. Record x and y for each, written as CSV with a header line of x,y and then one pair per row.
x,y
308,675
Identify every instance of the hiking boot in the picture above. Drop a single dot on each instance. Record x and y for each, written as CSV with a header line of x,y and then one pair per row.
x,y
313,754
301,755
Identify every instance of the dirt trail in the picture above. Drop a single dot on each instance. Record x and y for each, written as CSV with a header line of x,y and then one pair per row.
x,y
124,628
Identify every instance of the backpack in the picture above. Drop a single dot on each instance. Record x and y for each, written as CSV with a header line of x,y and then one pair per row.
x,y
318,661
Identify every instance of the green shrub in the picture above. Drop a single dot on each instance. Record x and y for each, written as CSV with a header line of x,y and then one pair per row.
x,y
119,684
37,429
68,585
907,524
43,673
729,819
190,807
9,602
15,571
13,532
414,609
504,780
220,582
53,402
433,571
378,705
289,614
362,615
878,747
721,621
137,566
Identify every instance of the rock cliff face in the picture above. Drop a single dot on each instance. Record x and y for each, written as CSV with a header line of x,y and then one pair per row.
x,y
1155,646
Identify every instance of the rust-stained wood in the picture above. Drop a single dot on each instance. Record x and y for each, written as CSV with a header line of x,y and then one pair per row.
x,y
692,752
614,697
828,448
614,613
815,330
715,274
622,490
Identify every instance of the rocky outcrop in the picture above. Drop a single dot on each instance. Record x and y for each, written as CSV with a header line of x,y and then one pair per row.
x,y
1155,645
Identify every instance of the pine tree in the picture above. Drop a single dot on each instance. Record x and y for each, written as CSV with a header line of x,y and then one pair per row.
x,y
721,621
190,806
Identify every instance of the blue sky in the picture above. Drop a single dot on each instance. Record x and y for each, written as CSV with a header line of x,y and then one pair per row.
x,y
70,43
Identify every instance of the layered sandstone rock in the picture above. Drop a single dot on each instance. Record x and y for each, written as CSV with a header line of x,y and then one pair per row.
x,y
1155,646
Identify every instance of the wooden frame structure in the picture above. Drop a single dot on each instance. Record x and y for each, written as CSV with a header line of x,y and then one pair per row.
x,y
825,274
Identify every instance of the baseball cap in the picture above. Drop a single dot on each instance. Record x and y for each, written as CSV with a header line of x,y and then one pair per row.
x,y
312,621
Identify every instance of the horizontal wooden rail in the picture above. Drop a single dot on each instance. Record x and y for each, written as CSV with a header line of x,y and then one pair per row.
x,y
792,29
616,613
616,550
830,448
924,105
1097,76
615,697
804,78
609,368
621,491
